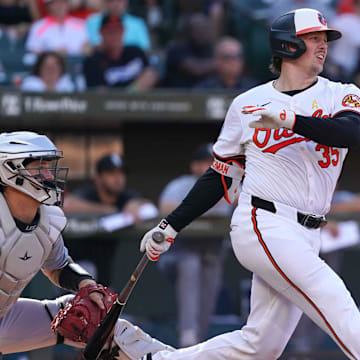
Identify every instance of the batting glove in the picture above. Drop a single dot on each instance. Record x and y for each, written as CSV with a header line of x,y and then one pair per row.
x,y
154,249
134,343
273,116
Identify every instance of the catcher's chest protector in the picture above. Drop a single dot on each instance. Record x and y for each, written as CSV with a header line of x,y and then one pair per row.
x,y
23,253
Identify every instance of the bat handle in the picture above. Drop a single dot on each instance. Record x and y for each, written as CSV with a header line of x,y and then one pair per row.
x,y
158,237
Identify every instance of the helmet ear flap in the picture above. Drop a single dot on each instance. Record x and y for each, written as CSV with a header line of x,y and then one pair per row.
x,y
280,41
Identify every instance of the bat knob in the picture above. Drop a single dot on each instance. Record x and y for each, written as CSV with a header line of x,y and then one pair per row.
x,y
158,237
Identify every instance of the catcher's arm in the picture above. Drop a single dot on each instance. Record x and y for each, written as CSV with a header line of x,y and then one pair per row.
x,y
73,277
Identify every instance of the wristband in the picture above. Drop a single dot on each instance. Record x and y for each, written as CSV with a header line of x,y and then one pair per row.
x,y
71,275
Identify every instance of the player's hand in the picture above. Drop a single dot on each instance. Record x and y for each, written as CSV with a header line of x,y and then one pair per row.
x,y
273,116
134,343
154,249
81,316
95,297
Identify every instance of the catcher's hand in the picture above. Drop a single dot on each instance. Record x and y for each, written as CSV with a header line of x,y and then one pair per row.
x,y
81,315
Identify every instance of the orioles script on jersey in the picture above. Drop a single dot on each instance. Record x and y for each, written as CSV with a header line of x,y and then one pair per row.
x,y
262,140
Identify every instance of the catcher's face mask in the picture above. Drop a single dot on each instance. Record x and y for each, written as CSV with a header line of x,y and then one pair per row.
x,y
29,163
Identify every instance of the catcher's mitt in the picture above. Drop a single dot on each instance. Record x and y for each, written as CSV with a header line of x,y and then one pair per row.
x,y
81,316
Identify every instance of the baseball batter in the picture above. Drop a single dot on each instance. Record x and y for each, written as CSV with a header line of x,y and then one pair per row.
x,y
295,133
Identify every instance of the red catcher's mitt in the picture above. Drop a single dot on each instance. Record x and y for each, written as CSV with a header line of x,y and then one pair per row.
x,y
81,316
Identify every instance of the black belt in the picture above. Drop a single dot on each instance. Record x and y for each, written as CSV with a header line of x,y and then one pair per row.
x,y
309,221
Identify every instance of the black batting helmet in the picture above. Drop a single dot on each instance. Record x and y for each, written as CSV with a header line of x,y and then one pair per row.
x,y
286,28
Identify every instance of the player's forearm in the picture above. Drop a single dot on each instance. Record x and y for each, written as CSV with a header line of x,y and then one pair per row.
x,y
146,80
70,277
34,10
206,192
346,207
343,130
74,204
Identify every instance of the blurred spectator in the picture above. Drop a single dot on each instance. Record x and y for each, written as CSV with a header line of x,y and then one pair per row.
x,y
153,14
191,59
345,6
346,202
15,20
84,8
229,67
117,205
108,194
12,12
198,262
135,30
214,9
116,65
48,74
77,8
277,7
345,52
59,32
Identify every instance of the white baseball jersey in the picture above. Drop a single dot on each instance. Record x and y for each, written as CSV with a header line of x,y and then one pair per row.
x,y
23,254
281,165
294,174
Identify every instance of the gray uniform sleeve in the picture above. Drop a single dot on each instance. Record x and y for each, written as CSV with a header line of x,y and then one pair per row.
x,y
58,256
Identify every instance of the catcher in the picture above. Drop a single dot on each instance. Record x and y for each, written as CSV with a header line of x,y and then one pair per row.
x,y
31,222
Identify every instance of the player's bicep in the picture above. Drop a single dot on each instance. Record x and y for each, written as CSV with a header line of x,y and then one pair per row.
x,y
58,256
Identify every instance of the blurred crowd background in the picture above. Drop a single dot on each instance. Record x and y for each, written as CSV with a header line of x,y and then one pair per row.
x,y
78,45
123,178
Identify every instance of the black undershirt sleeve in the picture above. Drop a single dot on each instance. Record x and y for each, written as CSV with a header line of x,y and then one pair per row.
x,y
206,192
342,130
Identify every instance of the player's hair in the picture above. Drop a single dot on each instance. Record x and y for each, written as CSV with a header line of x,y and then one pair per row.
x,y
275,65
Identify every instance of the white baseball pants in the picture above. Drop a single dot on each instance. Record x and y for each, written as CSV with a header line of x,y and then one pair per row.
x,y
289,278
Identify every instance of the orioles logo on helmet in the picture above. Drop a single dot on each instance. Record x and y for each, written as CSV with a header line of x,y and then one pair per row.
x,y
322,19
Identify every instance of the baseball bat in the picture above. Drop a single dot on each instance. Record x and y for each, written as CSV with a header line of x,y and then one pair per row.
x,y
98,340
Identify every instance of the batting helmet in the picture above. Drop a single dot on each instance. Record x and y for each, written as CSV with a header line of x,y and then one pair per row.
x,y
286,28
17,151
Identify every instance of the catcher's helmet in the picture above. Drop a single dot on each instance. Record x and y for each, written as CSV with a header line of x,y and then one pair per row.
x,y
46,181
286,28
